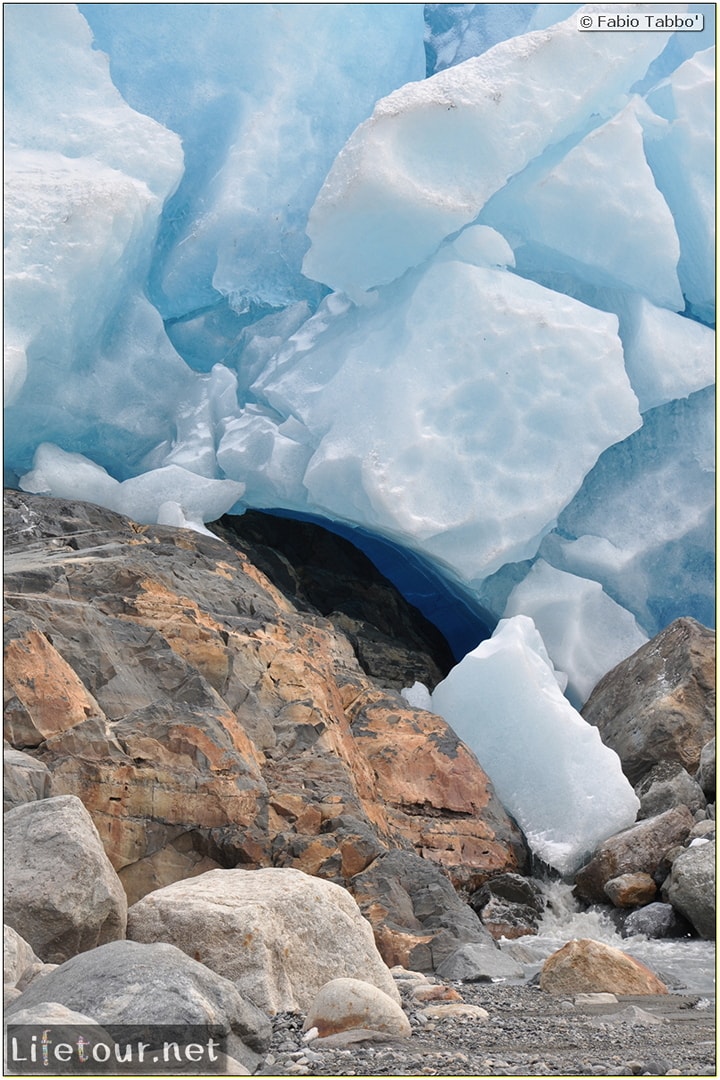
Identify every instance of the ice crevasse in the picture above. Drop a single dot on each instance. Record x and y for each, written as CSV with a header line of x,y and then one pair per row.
x,y
256,257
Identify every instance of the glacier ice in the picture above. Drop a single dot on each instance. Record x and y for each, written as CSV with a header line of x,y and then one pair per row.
x,y
584,631
264,96
441,415
434,152
549,767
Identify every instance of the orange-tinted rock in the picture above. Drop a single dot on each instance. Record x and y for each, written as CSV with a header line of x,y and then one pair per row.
x,y
591,967
206,722
631,890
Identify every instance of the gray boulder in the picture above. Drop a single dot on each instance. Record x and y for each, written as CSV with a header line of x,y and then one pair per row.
x,y
656,920
705,775
509,906
25,779
667,785
147,986
478,963
20,964
61,892
690,888
659,704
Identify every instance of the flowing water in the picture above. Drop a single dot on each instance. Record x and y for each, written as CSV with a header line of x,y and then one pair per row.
x,y
686,965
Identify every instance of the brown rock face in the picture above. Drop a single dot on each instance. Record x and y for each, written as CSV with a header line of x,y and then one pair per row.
x,y
205,721
639,850
659,704
590,967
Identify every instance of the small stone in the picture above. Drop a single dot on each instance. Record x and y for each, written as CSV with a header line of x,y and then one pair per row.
x,y
454,1011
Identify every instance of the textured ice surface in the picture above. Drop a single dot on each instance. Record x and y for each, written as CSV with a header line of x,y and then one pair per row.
x,y
264,96
683,163
643,523
167,496
434,152
442,416
599,207
585,632
549,767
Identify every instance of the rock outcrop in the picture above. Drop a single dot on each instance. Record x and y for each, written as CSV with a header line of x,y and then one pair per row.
x,y
205,721
659,704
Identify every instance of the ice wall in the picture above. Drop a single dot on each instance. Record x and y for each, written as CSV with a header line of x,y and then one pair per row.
x,y
519,366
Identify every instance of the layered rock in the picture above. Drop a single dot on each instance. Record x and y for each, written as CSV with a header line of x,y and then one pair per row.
x,y
206,722
659,704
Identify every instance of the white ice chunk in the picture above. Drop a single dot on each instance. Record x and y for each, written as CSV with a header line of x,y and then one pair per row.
x,y
170,495
599,206
585,632
684,166
457,416
549,767
434,152
481,245
666,356
417,695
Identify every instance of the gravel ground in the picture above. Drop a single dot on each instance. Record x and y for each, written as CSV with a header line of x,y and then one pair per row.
x,y
527,1033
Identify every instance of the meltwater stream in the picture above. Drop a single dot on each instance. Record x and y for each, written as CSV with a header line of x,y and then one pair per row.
x,y
686,965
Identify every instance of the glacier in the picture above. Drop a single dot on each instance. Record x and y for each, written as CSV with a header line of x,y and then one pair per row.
x,y
441,277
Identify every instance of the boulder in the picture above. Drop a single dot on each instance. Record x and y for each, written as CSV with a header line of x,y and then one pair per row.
x,y
147,986
25,779
690,887
631,890
60,891
278,934
20,964
666,785
705,775
509,906
456,1011
590,967
416,914
641,849
659,703
353,1005
478,963
656,920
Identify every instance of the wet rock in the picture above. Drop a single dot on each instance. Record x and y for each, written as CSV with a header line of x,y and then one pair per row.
x,y
25,779
659,703
344,1005
278,934
60,892
643,848
656,920
585,967
690,887
631,890
667,785
509,906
